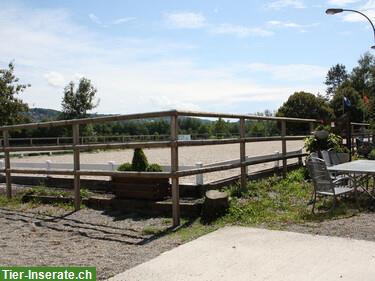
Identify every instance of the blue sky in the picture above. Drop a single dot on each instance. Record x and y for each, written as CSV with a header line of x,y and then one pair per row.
x,y
226,56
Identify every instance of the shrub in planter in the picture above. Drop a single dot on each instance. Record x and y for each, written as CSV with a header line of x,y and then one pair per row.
x,y
313,144
140,188
154,168
139,162
125,167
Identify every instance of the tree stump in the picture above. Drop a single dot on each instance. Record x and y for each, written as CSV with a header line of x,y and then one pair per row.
x,y
215,204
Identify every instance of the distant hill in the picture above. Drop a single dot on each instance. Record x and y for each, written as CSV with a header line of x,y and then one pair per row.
x,y
43,114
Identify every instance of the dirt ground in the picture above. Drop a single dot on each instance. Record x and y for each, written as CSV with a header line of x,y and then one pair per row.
x,y
109,241
114,242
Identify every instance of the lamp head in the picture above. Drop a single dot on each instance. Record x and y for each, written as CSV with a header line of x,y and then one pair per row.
x,y
334,11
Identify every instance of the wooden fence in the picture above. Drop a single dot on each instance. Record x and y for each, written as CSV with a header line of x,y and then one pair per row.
x,y
173,143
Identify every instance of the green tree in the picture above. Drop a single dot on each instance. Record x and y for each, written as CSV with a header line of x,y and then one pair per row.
x,y
12,109
335,77
220,128
304,105
356,108
363,75
77,102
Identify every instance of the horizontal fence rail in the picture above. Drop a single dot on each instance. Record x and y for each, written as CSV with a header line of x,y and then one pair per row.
x,y
77,143
49,168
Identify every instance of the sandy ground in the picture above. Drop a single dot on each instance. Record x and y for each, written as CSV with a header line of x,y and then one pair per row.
x,y
187,156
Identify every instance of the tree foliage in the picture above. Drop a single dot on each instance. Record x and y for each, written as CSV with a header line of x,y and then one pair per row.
x,y
363,75
356,108
336,75
77,102
304,105
12,109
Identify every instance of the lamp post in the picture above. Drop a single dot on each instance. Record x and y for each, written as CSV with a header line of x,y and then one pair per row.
x,y
337,11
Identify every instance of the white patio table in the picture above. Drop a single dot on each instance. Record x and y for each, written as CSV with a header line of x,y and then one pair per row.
x,y
357,168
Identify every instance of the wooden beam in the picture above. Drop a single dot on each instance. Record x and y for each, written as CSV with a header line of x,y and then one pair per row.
x,y
8,177
243,154
112,118
76,158
174,170
238,116
283,147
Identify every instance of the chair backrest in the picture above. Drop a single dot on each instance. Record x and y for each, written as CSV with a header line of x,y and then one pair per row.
x,y
319,174
338,158
326,157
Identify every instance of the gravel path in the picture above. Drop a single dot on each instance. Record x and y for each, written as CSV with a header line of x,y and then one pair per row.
x,y
360,226
109,241
114,242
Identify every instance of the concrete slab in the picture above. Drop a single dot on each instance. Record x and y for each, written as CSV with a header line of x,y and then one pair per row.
x,y
240,253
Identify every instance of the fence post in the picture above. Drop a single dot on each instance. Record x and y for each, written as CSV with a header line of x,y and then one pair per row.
x,y
283,146
199,177
111,165
277,162
8,179
311,127
77,195
243,153
174,169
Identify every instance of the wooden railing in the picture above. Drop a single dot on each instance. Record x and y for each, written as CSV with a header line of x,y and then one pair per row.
x,y
173,143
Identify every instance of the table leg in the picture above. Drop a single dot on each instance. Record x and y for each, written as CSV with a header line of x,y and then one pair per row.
x,y
356,191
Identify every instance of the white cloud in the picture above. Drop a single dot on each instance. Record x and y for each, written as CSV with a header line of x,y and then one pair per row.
x,y
185,20
368,8
191,20
289,24
342,2
54,79
95,19
123,20
125,82
278,4
240,30
291,72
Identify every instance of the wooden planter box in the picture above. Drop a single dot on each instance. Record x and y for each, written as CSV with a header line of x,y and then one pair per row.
x,y
138,188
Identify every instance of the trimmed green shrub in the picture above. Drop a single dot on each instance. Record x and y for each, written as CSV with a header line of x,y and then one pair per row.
x,y
139,162
125,167
371,155
154,168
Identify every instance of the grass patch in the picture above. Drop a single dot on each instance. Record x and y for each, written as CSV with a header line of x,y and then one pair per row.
x,y
151,230
273,203
45,191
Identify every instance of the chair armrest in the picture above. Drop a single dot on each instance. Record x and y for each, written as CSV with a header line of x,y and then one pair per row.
x,y
342,178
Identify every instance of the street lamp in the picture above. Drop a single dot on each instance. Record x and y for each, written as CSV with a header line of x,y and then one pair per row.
x,y
337,11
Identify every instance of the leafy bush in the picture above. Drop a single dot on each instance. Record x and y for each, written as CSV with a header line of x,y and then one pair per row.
x,y
139,162
312,144
154,168
125,167
371,155
335,142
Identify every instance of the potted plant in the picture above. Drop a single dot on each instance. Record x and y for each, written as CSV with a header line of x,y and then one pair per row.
x,y
332,141
321,132
140,188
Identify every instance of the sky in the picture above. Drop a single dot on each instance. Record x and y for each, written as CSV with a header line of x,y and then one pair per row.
x,y
224,56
